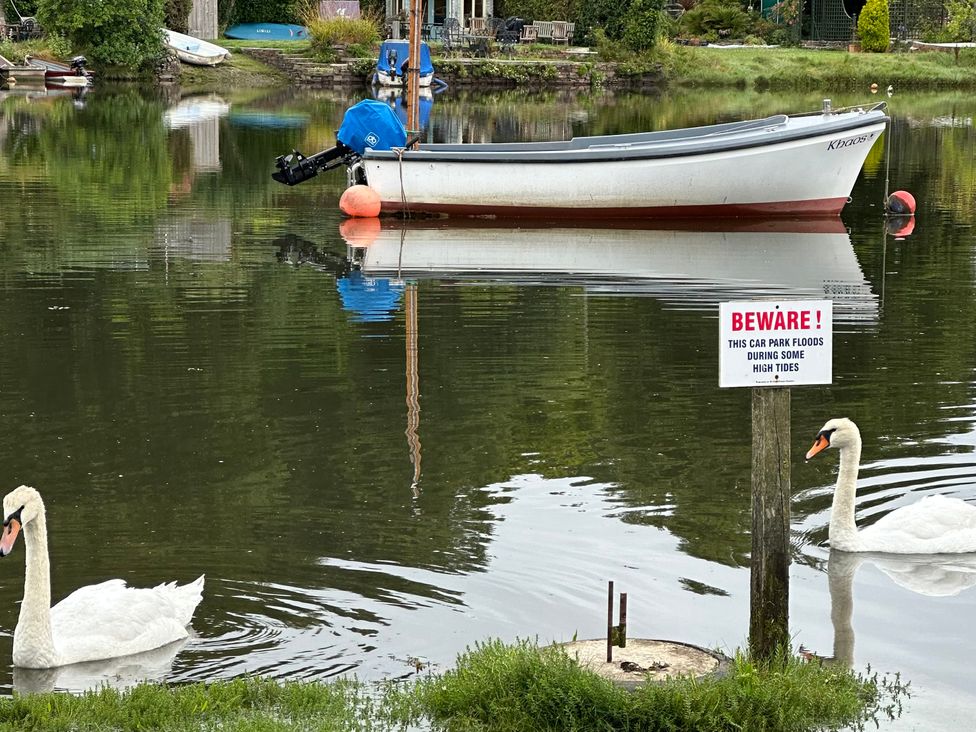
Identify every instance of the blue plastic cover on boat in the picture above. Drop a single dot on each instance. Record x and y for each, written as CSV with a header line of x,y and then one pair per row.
x,y
401,49
267,32
371,123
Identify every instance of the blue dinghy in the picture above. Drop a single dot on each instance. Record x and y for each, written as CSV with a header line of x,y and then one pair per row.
x,y
267,32
393,56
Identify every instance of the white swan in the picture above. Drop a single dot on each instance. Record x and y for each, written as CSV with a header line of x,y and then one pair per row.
x,y
933,525
92,623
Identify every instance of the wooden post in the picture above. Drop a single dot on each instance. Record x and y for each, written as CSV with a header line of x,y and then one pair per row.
x,y
770,578
413,68
610,622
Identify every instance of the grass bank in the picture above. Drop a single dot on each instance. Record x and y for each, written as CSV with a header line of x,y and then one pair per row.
x,y
796,69
494,688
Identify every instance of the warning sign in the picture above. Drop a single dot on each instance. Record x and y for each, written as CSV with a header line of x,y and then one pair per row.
x,y
775,343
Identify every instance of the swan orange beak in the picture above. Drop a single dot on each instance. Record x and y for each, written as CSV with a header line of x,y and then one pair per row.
x,y
10,530
821,443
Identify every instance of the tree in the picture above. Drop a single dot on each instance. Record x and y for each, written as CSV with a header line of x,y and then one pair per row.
x,y
178,15
122,33
642,24
962,20
873,26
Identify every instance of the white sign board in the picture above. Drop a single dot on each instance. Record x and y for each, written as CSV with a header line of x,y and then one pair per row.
x,y
775,343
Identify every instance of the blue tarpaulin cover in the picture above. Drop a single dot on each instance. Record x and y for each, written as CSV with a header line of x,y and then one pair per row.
x,y
371,123
402,51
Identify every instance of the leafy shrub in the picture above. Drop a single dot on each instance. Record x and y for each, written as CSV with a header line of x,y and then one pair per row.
x,y
178,15
609,16
713,19
873,26
59,46
269,11
116,33
642,25
962,20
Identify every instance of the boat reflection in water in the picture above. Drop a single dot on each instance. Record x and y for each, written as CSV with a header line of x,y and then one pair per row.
x,y
685,266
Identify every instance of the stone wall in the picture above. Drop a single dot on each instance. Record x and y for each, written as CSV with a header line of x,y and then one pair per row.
x,y
461,72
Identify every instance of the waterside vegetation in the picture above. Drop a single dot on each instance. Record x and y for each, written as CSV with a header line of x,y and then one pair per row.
x,y
494,687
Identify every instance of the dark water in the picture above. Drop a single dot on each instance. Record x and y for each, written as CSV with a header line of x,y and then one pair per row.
x,y
386,453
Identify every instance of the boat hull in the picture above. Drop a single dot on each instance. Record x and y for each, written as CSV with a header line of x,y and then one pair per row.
x,y
267,32
65,80
774,169
385,79
194,51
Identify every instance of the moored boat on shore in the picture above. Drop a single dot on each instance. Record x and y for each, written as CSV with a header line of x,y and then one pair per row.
x,y
194,51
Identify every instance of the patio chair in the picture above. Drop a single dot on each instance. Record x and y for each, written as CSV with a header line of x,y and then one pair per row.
x,y
478,26
543,30
452,35
560,32
495,26
507,40
530,34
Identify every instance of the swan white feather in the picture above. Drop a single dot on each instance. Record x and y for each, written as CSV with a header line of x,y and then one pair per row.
x,y
94,622
934,525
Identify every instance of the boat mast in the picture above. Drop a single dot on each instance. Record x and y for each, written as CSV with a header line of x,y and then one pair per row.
x,y
413,66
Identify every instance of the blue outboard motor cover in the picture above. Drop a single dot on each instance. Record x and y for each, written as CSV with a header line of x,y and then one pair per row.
x,y
401,51
371,123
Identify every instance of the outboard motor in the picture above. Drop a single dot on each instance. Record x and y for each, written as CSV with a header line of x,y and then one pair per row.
x,y
368,124
391,60
78,63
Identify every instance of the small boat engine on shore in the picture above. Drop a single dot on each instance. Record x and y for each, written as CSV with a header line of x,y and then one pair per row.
x,y
368,124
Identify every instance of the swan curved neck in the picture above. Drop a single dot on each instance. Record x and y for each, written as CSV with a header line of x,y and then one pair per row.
x,y
33,640
843,531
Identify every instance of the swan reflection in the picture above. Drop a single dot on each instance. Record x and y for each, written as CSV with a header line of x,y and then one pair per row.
x,y
118,673
934,575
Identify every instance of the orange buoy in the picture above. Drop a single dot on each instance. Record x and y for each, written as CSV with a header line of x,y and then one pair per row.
x,y
874,88
360,232
901,203
360,201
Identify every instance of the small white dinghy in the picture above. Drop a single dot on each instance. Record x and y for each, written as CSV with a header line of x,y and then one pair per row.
x,y
192,50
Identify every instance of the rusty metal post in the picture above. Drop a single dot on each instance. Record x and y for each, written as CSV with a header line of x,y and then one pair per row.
x,y
622,630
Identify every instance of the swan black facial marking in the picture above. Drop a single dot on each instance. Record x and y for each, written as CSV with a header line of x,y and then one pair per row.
x,y
826,434
14,516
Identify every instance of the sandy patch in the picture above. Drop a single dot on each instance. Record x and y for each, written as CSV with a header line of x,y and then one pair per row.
x,y
645,660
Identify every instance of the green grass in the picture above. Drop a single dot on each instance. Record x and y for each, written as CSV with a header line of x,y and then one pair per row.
x,y
494,688
288,46
527,689
798,69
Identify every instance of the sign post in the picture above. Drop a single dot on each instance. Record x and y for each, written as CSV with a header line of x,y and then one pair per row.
x,y
772,344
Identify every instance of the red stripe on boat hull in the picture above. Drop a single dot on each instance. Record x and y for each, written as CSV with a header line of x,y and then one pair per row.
x,y
819,207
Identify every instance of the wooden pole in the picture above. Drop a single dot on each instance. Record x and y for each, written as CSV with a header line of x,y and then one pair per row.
x,y
413,386
770,578
413,73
